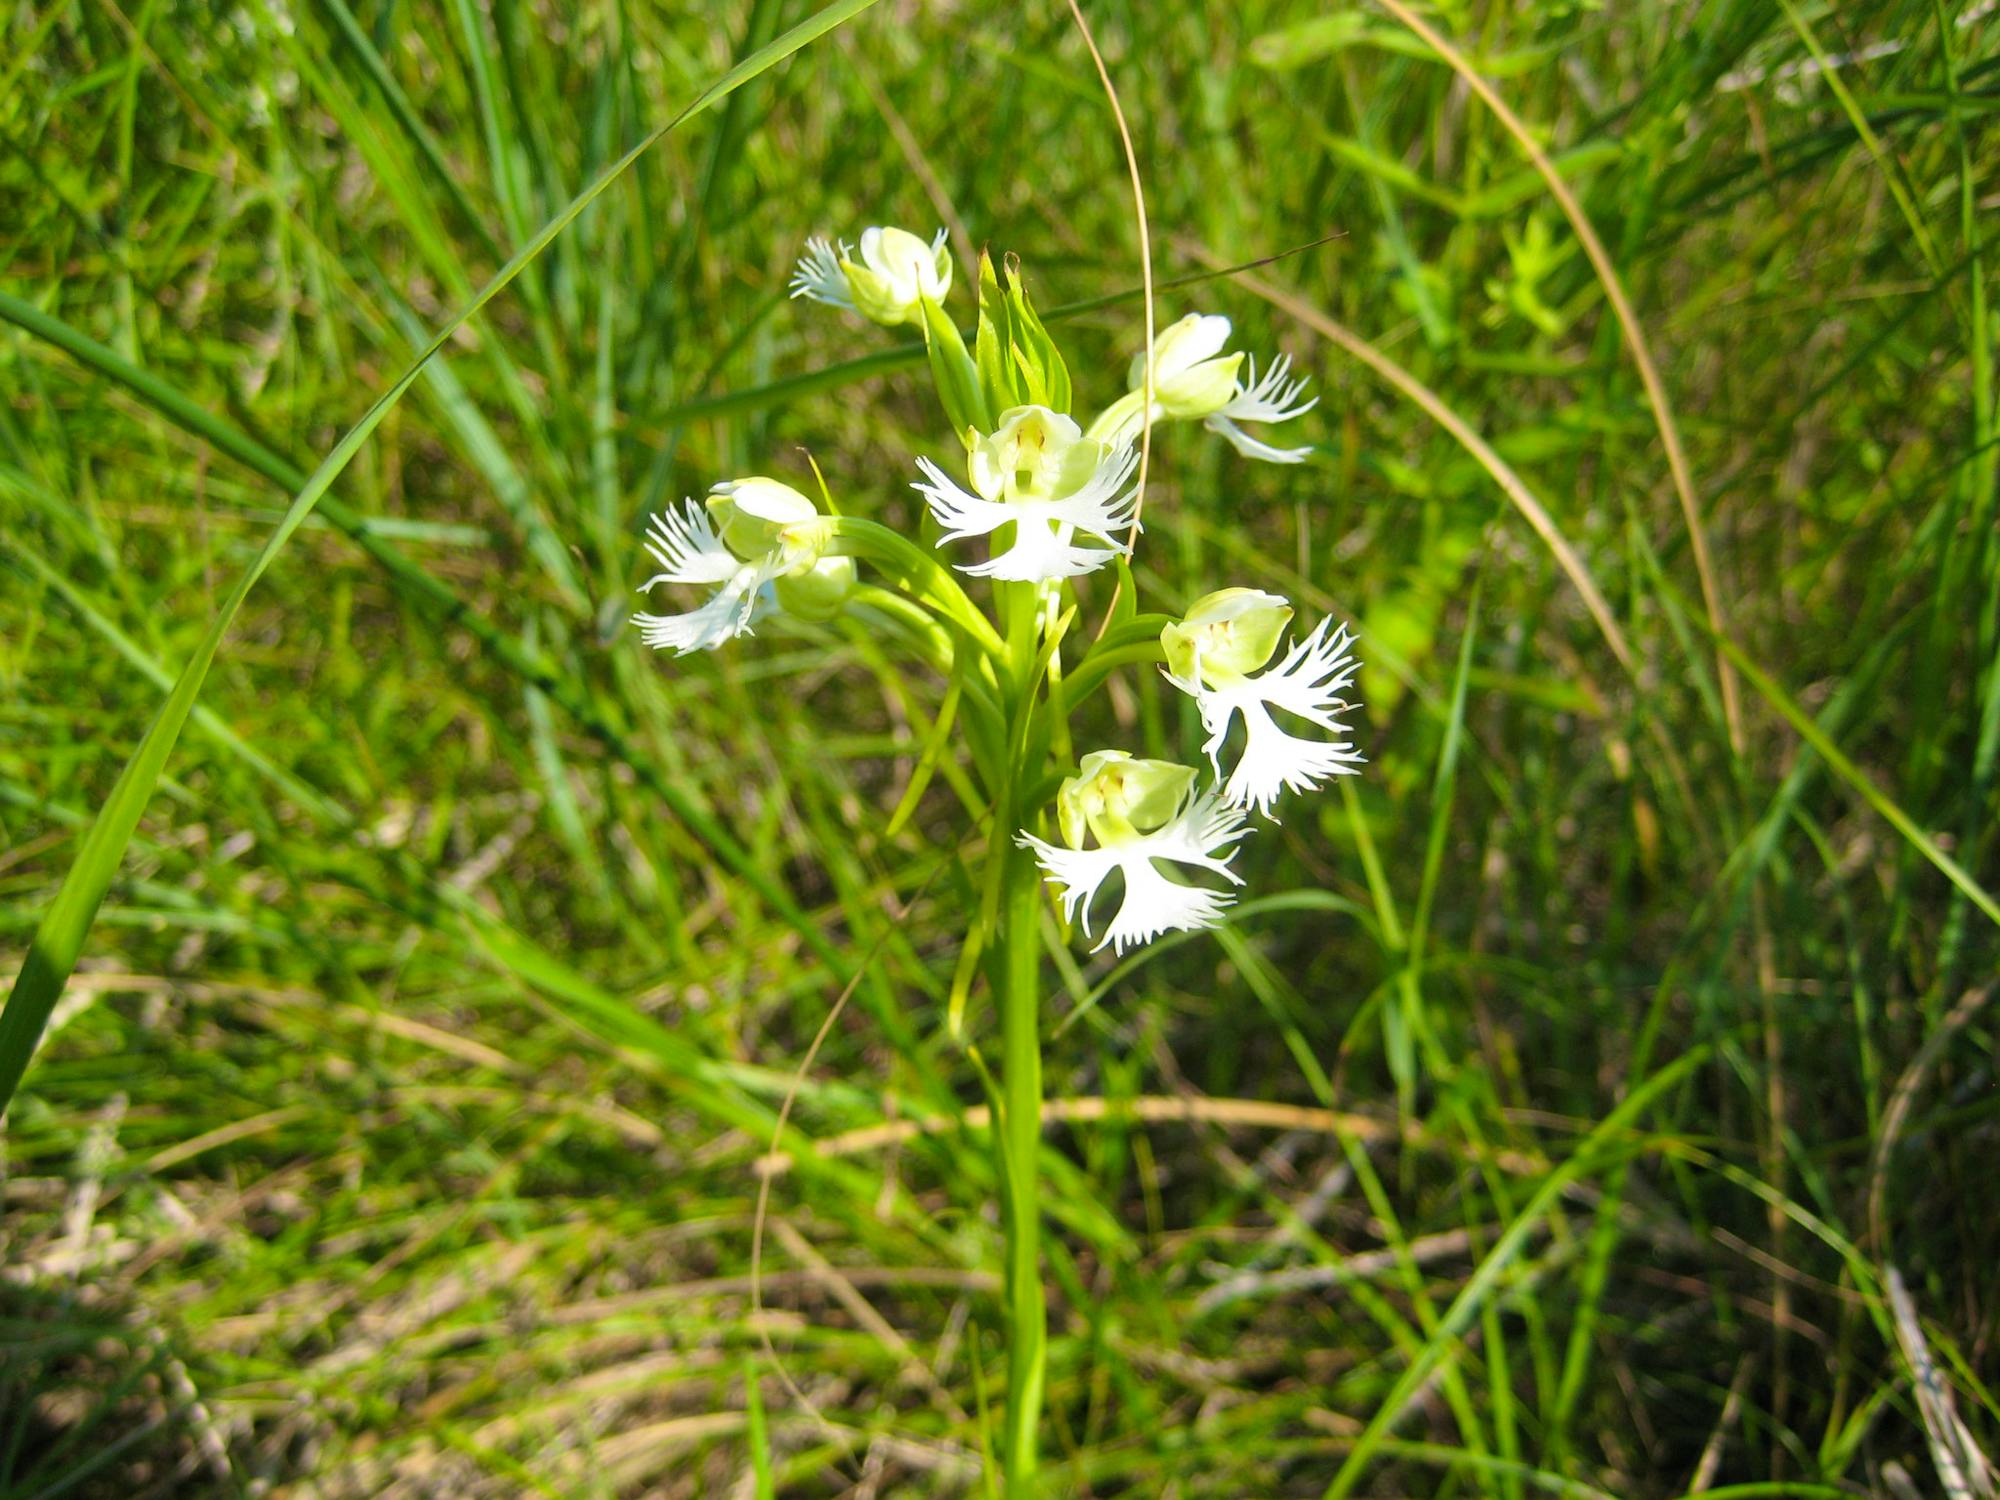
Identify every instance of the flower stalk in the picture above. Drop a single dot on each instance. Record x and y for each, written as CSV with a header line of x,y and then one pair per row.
x,y
1028,500
1020,1135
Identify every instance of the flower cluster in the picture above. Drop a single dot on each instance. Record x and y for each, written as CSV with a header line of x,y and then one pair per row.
x,y
1142,813
1052,500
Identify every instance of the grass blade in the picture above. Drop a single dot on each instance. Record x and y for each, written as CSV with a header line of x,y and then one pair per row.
x,y
59,938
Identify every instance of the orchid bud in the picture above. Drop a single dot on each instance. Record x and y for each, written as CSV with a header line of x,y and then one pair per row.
x,y
1118,798
1225,636
817,591
751,515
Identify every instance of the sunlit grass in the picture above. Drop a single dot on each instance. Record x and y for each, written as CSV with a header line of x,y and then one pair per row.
x,y
1552,1119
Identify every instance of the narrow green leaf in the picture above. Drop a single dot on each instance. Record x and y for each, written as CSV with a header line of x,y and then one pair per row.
x,y
996,374
766,1487
935,747
953,372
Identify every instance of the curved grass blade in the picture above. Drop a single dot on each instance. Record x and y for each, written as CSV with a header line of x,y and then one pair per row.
x,y
59,938
1444,1344
1854,776
437,603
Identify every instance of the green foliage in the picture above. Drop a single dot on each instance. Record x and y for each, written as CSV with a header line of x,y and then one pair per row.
x,y
1549,1121
1018,363
955,376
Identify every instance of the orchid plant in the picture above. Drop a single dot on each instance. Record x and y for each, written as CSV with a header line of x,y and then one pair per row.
x,y
1036,502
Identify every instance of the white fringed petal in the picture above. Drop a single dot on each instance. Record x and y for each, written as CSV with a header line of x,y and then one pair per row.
x,y
1043,528
1308,684
685,545
1251,447
724,617
1271,397
819,275
688,551
1151,903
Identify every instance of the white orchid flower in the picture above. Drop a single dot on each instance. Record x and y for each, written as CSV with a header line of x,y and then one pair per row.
x,y
887,285
1039,474
753,533
1194,381
1143,814
1211,655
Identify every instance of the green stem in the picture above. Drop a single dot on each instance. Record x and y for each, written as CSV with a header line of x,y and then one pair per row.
x,y
1017,972
1020,1152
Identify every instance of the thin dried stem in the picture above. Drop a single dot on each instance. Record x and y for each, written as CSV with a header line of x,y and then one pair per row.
x,y
1258,1114
1433,405
1146,284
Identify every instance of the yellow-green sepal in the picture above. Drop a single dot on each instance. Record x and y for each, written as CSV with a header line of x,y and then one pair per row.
x,y
953,372
1225,635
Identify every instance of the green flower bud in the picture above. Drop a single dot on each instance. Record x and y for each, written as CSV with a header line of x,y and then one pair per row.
x,y
1192,378
1225,635
1118,798
751,515
817,591
894,273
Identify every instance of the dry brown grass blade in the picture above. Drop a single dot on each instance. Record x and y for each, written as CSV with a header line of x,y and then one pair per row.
x,y
1964,1471
1433,405
1148,1109
1145,281
1635,338
844,1291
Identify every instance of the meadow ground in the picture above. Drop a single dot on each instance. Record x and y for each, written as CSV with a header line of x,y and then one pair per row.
x,y
1597,1095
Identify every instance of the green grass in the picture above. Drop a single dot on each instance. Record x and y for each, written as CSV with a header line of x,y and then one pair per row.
x,y
1550,1121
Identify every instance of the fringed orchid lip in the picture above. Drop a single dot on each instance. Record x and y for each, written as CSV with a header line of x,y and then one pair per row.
x,y
1201,835
1273,398
1307,684
818,276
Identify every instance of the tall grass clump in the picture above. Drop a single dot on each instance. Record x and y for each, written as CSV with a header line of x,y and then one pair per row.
x,y
973,1037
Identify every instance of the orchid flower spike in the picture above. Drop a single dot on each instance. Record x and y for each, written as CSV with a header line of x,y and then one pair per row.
x,y
1039,474
758,542
1142,814
1212,653
887,285
1194,381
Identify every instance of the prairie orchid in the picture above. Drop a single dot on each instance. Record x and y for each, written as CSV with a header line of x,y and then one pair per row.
x,y
1142,847
886,283
1193,380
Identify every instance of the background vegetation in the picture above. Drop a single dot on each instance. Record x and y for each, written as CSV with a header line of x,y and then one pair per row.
x,y
399,1133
